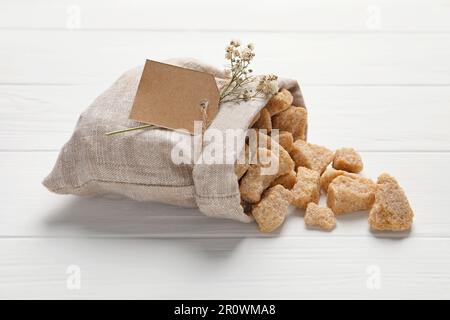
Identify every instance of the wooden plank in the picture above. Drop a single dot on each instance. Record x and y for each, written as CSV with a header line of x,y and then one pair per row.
x,y
375,76
367,118
285,15
99,57
29,210
240,268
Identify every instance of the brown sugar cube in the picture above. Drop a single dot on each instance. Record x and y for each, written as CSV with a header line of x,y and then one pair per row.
x,y
286,180
285,139
243,163
347,159
264,121
254,120
312,156
241,169
294,120
321,217
263,139
286,163
271,211
279,102
257,179
329,175
391,210
346,194
259,139
306,188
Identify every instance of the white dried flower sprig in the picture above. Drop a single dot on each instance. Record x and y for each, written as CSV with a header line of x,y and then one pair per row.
x,y
240,74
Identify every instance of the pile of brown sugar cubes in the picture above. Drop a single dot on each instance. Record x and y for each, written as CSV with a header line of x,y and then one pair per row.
x,y
304,172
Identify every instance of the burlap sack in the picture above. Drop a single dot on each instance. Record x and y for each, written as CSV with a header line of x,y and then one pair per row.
x,y
138,164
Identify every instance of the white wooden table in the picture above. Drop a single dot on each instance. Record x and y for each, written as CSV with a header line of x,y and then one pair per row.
x,y
375,74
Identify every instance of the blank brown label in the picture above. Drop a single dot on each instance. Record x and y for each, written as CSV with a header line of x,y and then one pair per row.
x,y
169,96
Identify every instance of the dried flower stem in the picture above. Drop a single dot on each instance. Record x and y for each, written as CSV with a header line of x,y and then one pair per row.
x,y
129,129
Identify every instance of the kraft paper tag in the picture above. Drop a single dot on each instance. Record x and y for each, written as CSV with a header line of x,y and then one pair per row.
x,y
171,97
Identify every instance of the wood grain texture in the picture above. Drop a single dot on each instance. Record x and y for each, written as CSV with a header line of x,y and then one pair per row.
x,y
266,16
99,57
375,75
366,118
239,268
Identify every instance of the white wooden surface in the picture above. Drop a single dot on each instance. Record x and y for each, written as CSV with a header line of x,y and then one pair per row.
x,y
375,74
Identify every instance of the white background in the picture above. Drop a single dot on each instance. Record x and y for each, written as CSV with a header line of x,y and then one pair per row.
x,y
375,75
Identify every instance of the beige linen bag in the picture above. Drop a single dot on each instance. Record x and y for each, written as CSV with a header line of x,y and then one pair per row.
x,y
138,164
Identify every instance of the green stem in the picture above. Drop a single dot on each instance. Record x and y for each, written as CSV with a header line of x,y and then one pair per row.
x,y
129,129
